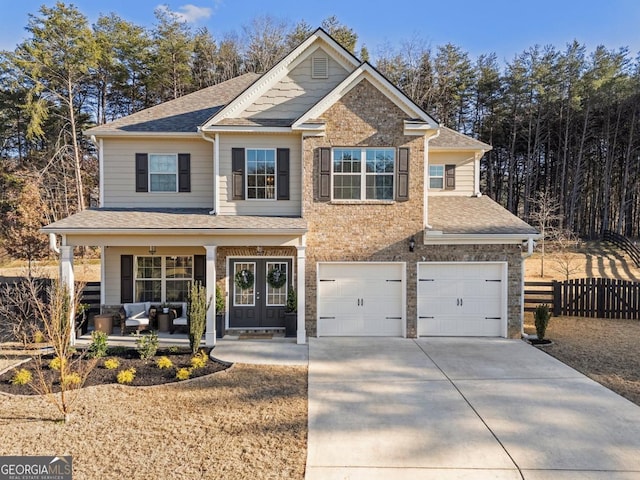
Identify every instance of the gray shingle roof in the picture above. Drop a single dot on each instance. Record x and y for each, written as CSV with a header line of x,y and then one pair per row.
x,y
257,122
168,219
183,114
474,215
449,138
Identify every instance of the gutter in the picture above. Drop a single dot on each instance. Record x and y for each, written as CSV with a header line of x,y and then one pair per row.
x,y
53,243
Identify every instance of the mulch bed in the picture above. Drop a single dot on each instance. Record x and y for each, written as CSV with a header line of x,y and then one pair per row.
x,y
147,373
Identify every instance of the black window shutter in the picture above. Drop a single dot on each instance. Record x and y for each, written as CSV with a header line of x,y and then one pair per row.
x,y
200,269
449,177
324,188
283,173
237,167
142,169
402,175
126,279
184,172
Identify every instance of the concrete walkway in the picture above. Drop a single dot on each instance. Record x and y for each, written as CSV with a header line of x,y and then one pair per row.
x,y
275,351
444,408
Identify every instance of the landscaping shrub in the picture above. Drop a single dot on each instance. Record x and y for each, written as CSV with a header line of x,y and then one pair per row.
x,y
183,373
126,376
147,345
22,377
111,363
72,380
98,346
199,360
197,313
164,362
541,317
56,363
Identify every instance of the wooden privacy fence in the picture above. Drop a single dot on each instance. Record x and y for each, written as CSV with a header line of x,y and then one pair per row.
x,y
586,297
597,297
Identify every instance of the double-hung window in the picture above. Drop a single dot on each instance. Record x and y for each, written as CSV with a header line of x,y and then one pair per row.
x,y
436,176
163,172
163,279
363,173
261,174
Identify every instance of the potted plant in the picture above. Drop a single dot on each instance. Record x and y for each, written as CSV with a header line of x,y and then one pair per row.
x,y
220,306
165,307
291,313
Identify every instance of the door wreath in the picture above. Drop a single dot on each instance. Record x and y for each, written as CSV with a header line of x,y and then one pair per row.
x,y
276,278
244,279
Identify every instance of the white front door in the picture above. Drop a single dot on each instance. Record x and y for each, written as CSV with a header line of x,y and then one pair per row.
x,y
361,299
462,299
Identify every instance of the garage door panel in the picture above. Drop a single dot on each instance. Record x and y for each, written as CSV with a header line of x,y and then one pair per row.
x,y
365,299
461,299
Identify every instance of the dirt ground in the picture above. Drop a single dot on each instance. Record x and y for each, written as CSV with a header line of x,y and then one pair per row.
x,y
245,422
605,350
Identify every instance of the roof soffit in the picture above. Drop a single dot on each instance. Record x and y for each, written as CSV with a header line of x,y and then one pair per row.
x,y
319,39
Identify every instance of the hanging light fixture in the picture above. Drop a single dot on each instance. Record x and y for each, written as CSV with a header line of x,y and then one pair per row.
x,y
152,250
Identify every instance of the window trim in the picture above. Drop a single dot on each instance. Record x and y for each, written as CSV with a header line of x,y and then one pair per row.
x,y
176,173
275,174
364,175
163,275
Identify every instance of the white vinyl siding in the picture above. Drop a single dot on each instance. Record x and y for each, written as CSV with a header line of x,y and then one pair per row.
x,y
120,179
465,171
297,92
291,207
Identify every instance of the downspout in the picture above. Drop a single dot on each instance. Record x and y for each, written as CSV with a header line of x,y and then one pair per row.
x,y
216,167
530,245
425,181
476,175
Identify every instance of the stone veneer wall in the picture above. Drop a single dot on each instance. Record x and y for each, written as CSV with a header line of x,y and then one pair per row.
x,y
380,231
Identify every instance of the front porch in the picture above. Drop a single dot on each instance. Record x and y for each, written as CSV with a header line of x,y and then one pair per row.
x,y
152,255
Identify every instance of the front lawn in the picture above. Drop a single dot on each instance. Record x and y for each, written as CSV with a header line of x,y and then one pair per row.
x,y
245,422
606,350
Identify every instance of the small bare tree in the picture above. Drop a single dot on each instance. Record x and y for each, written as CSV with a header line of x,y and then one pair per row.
x,y
566,262
546,218
72,369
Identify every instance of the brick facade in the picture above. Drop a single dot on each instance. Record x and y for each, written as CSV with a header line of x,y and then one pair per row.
x,y
380,231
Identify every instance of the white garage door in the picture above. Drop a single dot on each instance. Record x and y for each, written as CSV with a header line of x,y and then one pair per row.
x,y
462,299
361,299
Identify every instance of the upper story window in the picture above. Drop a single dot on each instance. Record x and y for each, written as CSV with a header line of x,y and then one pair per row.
x,y
261,174
436,176
363,173
166,172
442,177
163,172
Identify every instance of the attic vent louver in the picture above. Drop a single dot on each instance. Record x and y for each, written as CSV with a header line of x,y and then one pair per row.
x,y
319,66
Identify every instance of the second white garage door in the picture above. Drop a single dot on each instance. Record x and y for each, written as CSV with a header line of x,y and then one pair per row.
x,y
462,299
361,299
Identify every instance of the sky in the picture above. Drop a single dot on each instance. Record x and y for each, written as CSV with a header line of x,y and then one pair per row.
x,y
503,27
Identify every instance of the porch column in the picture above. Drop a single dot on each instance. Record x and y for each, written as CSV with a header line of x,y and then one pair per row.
x,y
210,332
302,332
67,279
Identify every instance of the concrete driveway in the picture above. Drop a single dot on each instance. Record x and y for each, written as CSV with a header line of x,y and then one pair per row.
x,y
469,408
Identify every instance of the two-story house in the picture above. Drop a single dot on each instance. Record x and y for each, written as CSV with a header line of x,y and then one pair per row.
x,y
319,175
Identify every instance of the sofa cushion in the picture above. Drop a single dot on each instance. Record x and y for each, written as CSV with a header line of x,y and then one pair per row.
x,y
180,321
136,322
135,308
